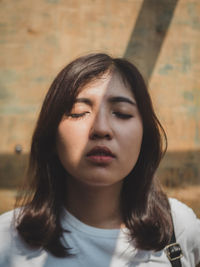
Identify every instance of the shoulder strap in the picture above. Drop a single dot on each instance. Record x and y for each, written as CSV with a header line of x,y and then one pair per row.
x,y
174,252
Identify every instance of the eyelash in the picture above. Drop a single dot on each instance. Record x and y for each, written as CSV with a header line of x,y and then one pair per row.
x,y
77,115
117,114
123,116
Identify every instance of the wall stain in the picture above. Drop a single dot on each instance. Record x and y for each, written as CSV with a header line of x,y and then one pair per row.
x,y
194,16
8,76
18,110
41,79
52,40
193,110
193,97
4,93
186,58
32,31
188,95
53,1
166,69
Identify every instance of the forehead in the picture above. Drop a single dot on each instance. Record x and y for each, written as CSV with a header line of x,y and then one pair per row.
x,y
106,85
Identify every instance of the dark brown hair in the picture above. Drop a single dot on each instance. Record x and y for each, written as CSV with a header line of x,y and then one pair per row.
x,y
145,208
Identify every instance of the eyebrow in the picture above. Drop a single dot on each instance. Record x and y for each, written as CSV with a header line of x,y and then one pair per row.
x,y
118,99
114,99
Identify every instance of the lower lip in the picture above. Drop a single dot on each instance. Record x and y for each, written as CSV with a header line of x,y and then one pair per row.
x,y
100,159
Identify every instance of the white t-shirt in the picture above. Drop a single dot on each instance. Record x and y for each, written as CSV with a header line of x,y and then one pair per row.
x,y
94,247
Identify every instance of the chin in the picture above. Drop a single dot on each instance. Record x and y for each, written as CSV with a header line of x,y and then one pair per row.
x,y
99,181
99,177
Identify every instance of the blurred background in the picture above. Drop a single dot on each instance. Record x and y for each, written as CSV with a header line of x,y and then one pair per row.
x,y
162,37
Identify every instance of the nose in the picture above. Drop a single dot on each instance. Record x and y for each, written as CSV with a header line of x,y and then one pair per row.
x,y
101,127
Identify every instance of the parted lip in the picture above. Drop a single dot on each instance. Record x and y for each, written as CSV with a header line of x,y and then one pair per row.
x,y
100,150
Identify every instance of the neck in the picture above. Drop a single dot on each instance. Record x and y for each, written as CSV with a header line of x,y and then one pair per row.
x,y
95,206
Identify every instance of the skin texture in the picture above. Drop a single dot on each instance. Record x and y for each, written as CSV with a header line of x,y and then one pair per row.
x,y
98,120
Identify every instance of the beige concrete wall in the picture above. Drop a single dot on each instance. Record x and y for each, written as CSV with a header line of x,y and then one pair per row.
x,y
37,38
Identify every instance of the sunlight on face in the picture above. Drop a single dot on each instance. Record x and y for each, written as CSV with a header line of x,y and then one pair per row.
x,y
99,142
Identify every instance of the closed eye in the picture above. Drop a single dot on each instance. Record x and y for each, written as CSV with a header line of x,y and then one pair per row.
x,y
78,115
123,116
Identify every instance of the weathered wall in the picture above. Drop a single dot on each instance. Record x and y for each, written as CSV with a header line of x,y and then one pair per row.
x,y
39,37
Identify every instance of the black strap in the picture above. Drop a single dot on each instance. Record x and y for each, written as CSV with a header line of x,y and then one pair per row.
x,y
173,251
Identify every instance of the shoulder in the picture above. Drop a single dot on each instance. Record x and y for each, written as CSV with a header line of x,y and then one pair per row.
x,y
6,229
8,234
187,228
7,216
6,223
13,251
7,220
182,211
183,216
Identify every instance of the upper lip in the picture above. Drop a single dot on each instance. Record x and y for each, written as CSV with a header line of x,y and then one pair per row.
x,y
97,150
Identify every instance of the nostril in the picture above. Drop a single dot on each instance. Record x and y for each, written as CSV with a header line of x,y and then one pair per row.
x,y
96,136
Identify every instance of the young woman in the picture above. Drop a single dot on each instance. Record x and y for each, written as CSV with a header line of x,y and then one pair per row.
x,y
93,198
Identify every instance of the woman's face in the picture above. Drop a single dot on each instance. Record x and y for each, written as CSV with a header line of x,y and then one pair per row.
x,y
99,142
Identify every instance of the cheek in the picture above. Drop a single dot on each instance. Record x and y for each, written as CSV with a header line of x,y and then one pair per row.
x,y
71,141
131,141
